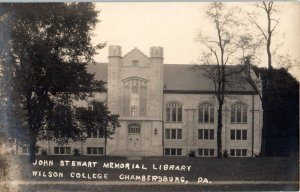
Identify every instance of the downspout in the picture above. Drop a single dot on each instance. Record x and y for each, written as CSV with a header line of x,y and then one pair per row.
x,y
252,125
163,122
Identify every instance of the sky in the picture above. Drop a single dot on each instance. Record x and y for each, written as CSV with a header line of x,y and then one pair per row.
x,y
175,25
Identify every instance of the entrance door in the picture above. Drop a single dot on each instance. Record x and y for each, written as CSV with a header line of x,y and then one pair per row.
x,y
134,138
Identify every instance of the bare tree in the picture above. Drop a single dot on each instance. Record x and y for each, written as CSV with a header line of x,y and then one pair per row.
x,y
272,23
228,46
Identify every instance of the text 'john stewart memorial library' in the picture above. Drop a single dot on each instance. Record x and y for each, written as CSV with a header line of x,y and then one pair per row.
x,y
168,109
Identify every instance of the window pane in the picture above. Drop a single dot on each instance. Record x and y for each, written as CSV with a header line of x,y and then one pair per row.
x,y
206,115
201,114
167,152
94,150
232,134
168,113
238,152
211,152
62,150
233,114
238,134
173,114
212,115
126,100
200,134
173,151
173,133
244,134
232,152
168,133
178,151
89,150
100,150
143,101
238,115
244,152
179,114
205,134
56,150
212,134
179,133
200,152
68,150
205,152
245,115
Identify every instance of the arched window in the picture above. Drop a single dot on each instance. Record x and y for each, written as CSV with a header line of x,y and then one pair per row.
x,y
174,112
239,113
134,97
206,113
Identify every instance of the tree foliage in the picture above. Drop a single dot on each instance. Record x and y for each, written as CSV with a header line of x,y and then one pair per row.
x,y
44,66
99,119
283,105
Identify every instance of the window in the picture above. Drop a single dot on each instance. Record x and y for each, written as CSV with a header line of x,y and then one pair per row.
x,y
237,134
94,150
238,152
174,112
173,151
206,134
239,113
134,129
95,134
62,150
206,152
173,134
26,150
135,63
134,97
206,113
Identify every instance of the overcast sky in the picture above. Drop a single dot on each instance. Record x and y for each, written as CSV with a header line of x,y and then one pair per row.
x,y
175,25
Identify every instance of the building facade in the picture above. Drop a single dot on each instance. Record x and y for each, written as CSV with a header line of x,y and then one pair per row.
x,y
168,109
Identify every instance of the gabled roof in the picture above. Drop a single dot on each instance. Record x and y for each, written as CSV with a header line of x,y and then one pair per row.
x,y
181,78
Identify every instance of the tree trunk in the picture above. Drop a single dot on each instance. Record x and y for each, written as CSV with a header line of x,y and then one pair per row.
x,y
32,149
219,132
105,144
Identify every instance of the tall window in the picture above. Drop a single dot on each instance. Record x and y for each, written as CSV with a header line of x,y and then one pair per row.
x,y
206,113
134,97
239,113
174,112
